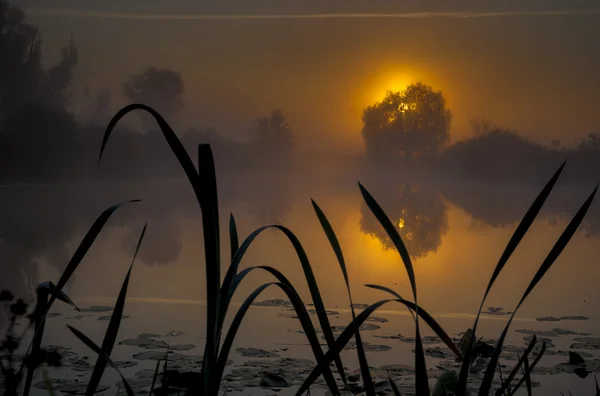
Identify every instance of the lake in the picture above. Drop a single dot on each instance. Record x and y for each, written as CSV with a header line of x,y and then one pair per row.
x,y
454,230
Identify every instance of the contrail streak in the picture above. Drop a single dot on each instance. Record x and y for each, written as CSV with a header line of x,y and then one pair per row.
x,y
229,17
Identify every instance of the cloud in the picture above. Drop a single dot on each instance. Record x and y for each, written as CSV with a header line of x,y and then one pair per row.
x,y
405,15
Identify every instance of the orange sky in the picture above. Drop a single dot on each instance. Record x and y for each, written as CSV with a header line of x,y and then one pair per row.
x,y
538,74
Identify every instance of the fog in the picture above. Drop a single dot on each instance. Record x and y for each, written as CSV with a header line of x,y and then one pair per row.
x,y
453,116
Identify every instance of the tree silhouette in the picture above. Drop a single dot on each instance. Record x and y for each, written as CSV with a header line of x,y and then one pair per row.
x,y
27,80
406,125
418,213
99,112
161,89
272,140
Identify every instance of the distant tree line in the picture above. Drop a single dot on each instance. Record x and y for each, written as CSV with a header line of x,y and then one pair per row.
x,y
409,130
41,139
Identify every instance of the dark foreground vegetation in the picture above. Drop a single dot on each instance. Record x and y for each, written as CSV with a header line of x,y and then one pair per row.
x,y
18,370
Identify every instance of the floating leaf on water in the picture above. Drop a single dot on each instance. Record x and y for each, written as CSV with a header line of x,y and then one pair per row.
x,y
126,364
548,341
538,333
257,353
144,342
108,317
574,318
560,331
278,302
496,311
364,327
376,319
270,380
96,309
182,347
156,355
68,386
548,319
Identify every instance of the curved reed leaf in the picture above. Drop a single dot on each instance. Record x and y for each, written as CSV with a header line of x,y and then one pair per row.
x,y
233,236
393,293
82,250
342,341
431,322
556,250
90,344
62,296
360,350
421,381
76,259
313,287
300,310
113,326
514,241
203,183
317,351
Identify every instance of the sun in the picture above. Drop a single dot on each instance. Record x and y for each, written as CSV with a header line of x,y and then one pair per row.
x,y
395,82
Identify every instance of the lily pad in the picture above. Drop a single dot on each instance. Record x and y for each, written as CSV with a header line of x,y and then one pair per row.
x,y
376,319
108,317
256,353
270,380
156,355
68,386
182,347
142,341
96,309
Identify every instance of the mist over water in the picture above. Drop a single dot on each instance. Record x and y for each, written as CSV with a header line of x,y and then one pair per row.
x,y
453,116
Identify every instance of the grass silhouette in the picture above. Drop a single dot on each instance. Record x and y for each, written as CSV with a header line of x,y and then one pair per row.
x,y
220,291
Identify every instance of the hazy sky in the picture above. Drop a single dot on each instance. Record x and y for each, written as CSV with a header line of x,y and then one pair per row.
x,y
533,66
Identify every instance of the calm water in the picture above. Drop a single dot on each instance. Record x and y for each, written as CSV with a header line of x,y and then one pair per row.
x,y
455,232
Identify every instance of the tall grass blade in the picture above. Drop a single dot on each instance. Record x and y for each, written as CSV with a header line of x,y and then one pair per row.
x,y
227,292
527,376
207,182
360,350
556,250
113,326
431,322
90,344
233,236
36,343
203,182
535,362
342,341
514,241
317,351
154,377
303,317
421,381
61,296
44,301
82,250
